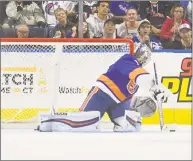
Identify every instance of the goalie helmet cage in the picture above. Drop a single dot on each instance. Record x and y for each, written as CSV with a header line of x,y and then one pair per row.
x,y
26,54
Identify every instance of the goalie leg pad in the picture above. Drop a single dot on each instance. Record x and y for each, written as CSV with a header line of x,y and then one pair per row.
x,y
130,122
74,121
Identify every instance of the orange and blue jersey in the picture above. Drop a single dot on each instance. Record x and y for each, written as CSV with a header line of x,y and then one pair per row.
x,y
119,81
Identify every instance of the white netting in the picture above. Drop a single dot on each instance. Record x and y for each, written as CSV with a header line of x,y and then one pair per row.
x,y
67,48
27,48
37,75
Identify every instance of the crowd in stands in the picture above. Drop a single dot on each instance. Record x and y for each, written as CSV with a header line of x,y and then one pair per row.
x,y
165,24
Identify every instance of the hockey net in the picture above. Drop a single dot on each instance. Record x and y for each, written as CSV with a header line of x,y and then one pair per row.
x,y
39,74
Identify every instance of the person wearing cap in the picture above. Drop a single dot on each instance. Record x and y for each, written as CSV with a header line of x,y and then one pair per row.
x,y
110,30
186,38
145,36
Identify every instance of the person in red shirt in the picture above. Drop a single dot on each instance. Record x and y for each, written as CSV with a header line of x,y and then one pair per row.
x,y
169,31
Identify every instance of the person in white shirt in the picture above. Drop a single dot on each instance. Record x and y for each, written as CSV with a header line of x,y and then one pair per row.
x,y
24,12
96,22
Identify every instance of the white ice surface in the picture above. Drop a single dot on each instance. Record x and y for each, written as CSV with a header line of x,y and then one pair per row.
x,y
150,144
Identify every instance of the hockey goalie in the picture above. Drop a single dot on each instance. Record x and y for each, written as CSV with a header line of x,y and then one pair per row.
x,y
126,92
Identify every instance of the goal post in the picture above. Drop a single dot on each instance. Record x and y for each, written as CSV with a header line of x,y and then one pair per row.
x,y
37,74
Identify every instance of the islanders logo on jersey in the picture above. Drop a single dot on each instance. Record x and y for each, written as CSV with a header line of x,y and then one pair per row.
x,y
132,87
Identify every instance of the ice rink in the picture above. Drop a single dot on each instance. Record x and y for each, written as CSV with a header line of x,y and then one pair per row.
x,y
146,145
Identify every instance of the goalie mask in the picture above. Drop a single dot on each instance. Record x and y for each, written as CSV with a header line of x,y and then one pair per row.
x,y
143,54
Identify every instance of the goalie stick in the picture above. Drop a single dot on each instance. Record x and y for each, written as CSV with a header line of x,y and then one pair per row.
x,y
160,109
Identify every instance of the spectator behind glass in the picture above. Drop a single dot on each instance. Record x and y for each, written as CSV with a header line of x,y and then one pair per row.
x,y
169,31
50,6
89,8
96,22
22,31
24,12
110,29
154,11
145,37
164,7
94,9
128,29
186,38
63,29
119,9
85,30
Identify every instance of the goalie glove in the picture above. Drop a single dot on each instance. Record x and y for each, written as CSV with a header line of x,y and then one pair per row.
x,y
160,96
160,93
